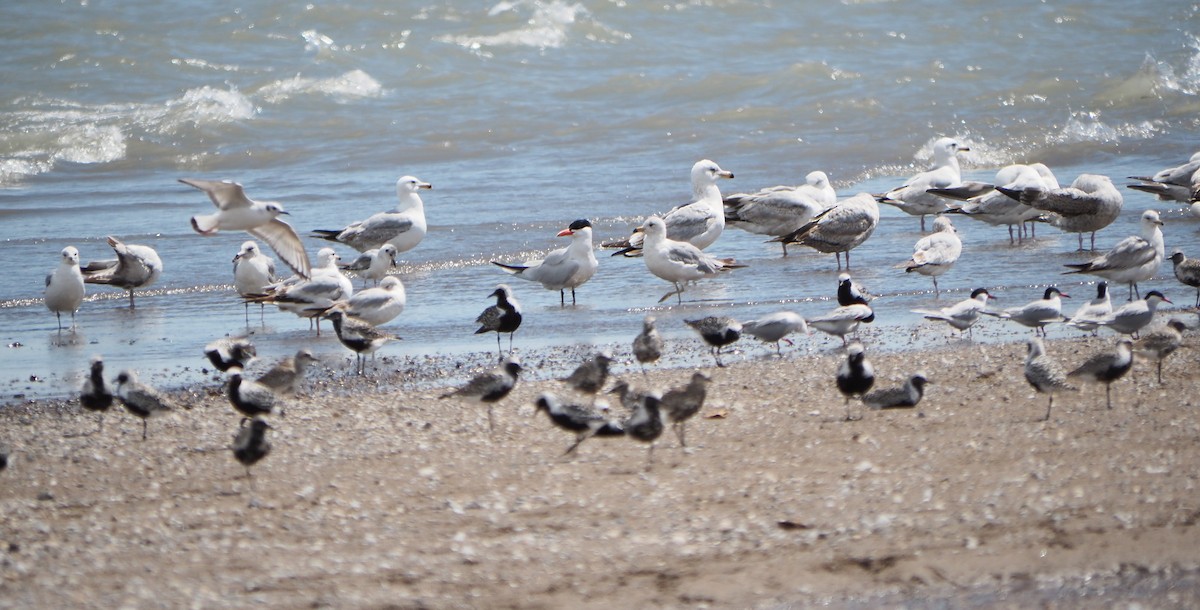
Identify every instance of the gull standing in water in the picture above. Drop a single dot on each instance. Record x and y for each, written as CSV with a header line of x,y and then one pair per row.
x,y
1088,205
489,388
503,317
403,228
914,197
780,210
373,264
962,315
699,222
648,345
1187,270
1088,316
309,298
838,229
253,271
997,209
1133,259
935,254
1036,314
1107,367
379,305
1044,374
64,286
678,262
775,327
855,375
135,267
564,268
237,212
717,332
1173,183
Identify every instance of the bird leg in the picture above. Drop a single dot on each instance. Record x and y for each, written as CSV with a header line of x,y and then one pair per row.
x,y
491,420
650,457
1049,405
143,429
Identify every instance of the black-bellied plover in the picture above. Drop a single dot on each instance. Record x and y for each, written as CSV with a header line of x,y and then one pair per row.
x,y
579,419
906,396
140,399
503,317
237,212
358,336
1163,342
249,397
250,445
95,395
648,345
717,332
568,267
775,327
404,227
645,424
855,375
230,352
590,377
1187,270
680,403
1107,367
64,286
135,267
848,292
490,387
1044,374
287,375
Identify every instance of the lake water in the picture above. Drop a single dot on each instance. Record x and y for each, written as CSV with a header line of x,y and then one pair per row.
x,y
526,115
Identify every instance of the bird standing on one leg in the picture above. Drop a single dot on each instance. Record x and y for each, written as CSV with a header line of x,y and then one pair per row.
x,y
250,445
1107,367
717,332
1044,374
140,399
681,403
648,345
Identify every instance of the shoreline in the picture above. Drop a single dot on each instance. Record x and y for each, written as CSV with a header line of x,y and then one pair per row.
x,y
375,495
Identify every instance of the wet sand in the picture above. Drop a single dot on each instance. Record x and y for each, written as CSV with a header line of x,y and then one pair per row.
x,y
377,494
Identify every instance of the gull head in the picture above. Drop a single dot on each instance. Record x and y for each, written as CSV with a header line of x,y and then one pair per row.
x,y
70,255
411,184
706,172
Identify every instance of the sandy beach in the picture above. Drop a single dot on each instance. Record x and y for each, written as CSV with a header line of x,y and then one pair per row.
x,y
377,494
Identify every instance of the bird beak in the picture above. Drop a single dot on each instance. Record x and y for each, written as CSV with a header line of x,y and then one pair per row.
x,y
725,174
285,212
963,149
565,232
424,185
1064,295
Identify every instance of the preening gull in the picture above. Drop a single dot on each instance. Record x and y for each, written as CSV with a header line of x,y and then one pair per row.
x,y
135,267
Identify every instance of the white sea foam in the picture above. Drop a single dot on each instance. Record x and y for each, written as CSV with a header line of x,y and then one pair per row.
x,y
354,84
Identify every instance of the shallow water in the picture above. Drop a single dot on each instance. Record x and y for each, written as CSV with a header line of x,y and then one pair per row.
x,y
527,115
